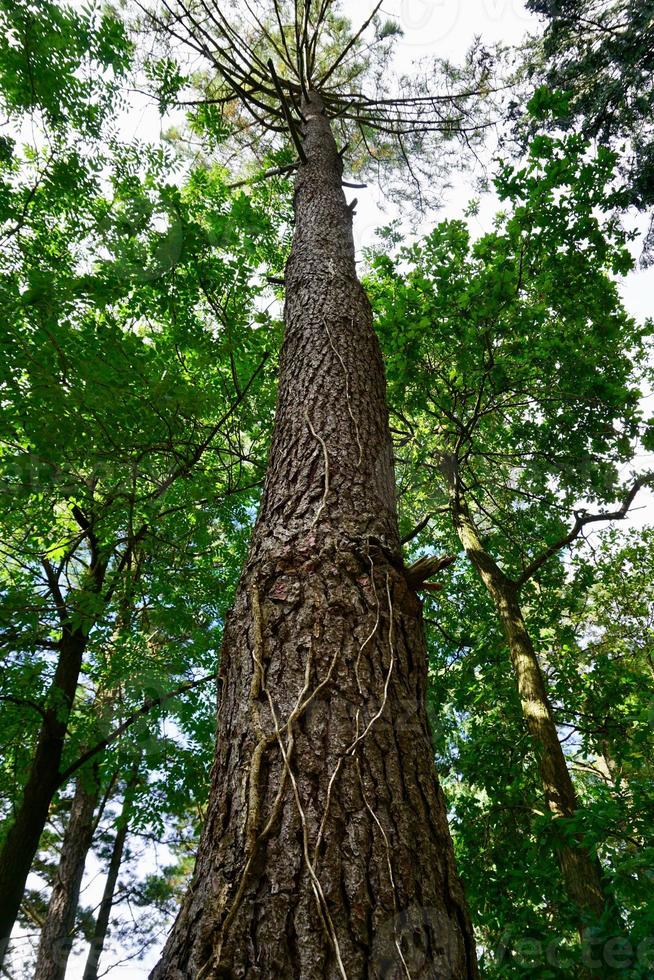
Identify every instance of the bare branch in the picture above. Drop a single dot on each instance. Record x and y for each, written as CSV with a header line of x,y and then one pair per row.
x,y
282,54
287,114
420,526
353,40
282,32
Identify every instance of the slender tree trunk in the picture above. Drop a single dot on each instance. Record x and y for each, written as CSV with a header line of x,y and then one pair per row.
x,y
581,870
22,840
326,851
57,933
106,904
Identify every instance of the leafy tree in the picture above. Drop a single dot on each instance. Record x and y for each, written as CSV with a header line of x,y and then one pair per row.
x,y
503,836
129,355
601,54
609,697
514,382
136,415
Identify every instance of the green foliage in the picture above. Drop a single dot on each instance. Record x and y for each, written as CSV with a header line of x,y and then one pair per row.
x,y
61,62
594,633
513,353
137,401
600,53
512,362
137,397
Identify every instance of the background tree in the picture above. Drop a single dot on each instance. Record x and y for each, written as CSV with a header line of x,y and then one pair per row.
x,y
58,926
601,54
503,835
508,433
119,291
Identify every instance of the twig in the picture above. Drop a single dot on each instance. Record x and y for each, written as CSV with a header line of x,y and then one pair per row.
x,y
257,178
581,521
146,707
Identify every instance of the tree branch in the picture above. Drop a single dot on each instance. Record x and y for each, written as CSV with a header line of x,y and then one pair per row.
x,y
287,113
420,526
145,708
580,523
24,703
353,40
274,172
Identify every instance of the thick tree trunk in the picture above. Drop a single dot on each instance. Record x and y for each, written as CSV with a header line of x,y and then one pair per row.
x,y
22,840
106,904
57,933
581,871
326,851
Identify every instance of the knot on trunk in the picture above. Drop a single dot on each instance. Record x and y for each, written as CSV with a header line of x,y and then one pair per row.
x,y
425,568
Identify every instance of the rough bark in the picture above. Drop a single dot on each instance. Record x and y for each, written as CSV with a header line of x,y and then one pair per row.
x,y
57,932
581,870
326,851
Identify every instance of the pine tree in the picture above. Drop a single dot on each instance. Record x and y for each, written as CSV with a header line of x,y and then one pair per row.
x,y
326,836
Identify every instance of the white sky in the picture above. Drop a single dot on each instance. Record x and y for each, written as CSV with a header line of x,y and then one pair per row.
x,y
431,27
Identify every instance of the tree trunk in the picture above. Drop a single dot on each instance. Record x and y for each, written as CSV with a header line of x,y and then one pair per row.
x,y
106,904
22,840
57,933
581,870
326,851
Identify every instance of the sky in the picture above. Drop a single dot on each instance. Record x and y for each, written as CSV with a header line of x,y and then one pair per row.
x,y
431,27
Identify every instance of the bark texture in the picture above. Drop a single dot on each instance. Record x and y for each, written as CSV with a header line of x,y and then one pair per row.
x,y
581,870
57,932
326,851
